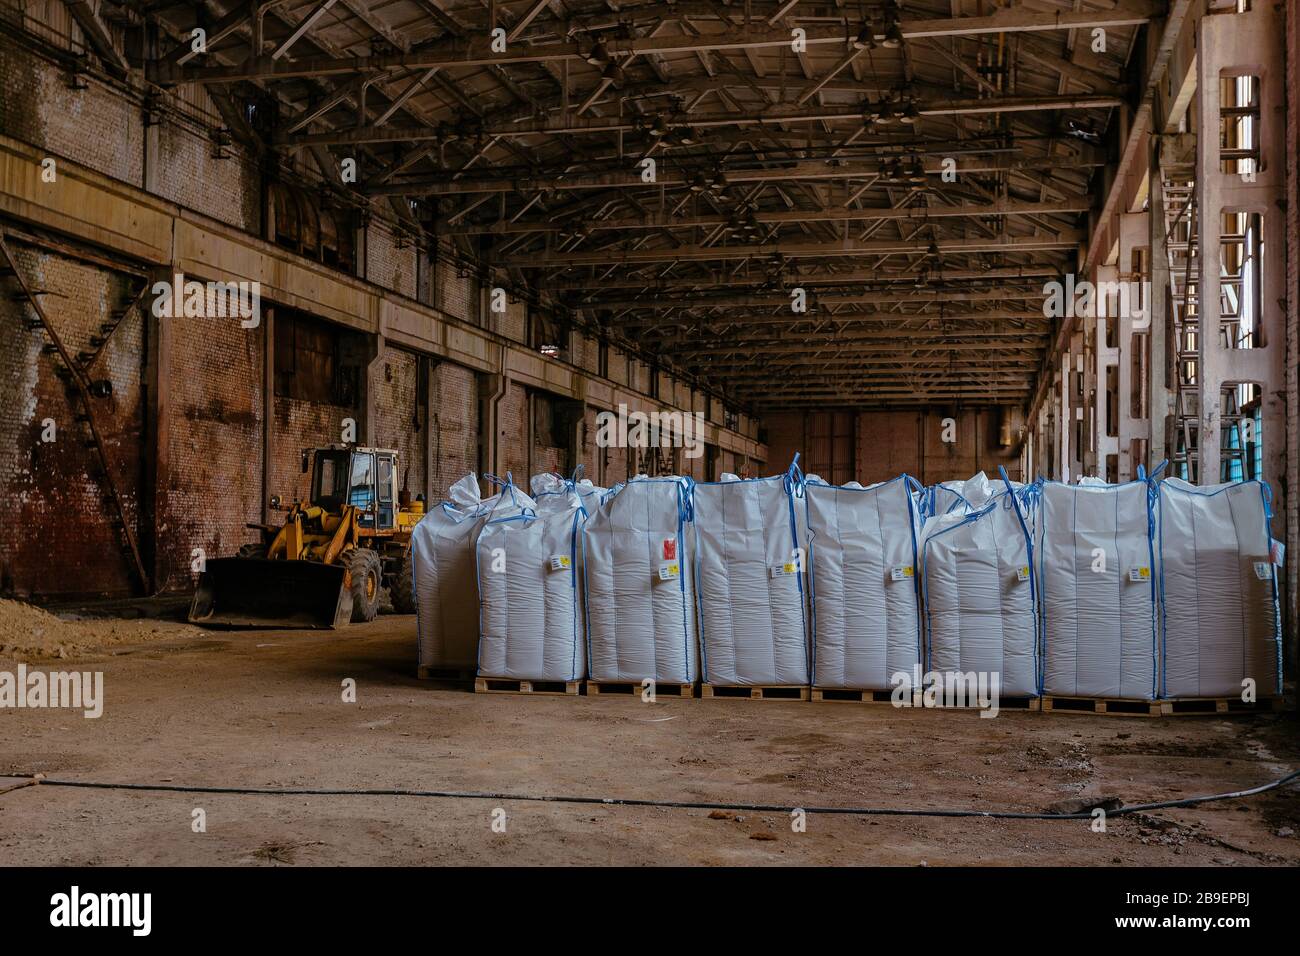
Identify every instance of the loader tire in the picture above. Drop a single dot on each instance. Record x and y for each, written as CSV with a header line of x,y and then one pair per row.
x,y
366,572
402,592
252,551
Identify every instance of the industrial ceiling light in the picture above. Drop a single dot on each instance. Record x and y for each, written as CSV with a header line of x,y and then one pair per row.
x,y
893,37
910,114
598,55
660,128
933,249
866,38
688,136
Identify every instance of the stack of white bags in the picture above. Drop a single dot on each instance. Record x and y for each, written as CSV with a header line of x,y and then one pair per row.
x,y
1140,591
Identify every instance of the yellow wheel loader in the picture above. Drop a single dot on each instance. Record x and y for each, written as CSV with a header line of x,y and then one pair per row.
x,y
326,565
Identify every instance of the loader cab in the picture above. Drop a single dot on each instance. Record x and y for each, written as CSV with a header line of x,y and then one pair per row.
x,y
363,477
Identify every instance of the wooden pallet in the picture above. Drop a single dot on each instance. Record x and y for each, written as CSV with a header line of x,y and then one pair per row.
x,y
1192,706
507,685
460,675
850,695
596,688
1183,707
756,691
1110,706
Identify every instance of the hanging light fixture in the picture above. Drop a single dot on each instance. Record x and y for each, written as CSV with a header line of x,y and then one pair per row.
x,y
598,55
893,36
866,38
660,128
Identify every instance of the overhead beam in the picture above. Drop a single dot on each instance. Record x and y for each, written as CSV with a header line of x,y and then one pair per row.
x,y
97,34
574,125
910,213
448,185
1066,239
478,51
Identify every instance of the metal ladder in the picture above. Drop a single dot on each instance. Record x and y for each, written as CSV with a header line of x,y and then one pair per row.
x,y
74,371
1181,241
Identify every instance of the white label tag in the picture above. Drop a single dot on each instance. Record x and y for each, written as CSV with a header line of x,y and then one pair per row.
x,y
788,568
1139,575
1022,573
901,573
1263,570
669,571
1277,552
561,562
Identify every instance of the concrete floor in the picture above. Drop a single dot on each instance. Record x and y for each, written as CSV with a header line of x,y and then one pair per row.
x,y
264,709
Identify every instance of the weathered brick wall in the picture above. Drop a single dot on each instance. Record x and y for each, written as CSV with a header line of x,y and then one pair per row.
x,y
212,485
97,127
389,264
454,293
889,443
399,421
1292,521
300,424
455,426
187,173
512,433
58,536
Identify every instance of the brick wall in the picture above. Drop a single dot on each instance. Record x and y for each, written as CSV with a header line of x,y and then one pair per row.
x,y
1291,527
399,421
512,433
58,536
97,126
212,486
389,264
454,394
188,174
889,443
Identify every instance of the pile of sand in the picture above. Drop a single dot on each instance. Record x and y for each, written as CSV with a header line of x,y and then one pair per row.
x,y
29,632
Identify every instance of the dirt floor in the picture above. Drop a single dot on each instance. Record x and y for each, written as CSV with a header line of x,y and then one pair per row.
x,y
265,709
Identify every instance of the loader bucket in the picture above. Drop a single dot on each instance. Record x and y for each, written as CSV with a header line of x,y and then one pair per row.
x,y
256,592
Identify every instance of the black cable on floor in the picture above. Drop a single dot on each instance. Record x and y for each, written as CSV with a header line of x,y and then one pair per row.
x,y
669,804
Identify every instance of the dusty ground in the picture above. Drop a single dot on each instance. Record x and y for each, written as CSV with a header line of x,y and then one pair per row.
x,y
265,709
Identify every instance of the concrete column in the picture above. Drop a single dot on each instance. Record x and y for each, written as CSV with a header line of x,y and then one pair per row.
x,y
1134,319
1107,316
1237,45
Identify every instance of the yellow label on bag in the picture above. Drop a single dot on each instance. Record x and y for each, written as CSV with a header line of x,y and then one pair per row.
x,y
788,568
1022,573
561,562
668,572
1139,575
902,572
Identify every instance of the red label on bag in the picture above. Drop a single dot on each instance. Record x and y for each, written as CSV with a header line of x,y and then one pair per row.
x,y
670,549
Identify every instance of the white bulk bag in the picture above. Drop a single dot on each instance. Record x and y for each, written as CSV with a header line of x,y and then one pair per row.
x,y
550,483
530,608
1096,588
1218,590
749,583
977,586
638,589
442,565
862,583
